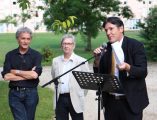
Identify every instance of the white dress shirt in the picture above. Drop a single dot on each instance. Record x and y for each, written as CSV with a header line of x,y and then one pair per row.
x,y
119,59
67,65
118,54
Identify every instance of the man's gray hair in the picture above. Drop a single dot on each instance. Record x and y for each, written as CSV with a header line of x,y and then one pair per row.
x,y
68,36
23,30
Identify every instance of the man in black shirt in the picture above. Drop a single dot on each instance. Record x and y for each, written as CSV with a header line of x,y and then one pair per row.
x,y
22,68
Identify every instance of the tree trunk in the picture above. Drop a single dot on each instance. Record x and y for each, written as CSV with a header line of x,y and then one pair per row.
x,y
88,43
7,27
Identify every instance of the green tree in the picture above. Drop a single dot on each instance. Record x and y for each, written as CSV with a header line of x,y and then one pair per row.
x,y
23,17
61,14
149,32
89,14
26,4
8,20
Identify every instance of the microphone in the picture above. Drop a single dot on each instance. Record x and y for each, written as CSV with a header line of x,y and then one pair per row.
x,y
104,46
103,49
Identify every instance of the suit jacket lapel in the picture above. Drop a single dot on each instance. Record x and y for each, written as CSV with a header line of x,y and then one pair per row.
x,y
124,47
123,74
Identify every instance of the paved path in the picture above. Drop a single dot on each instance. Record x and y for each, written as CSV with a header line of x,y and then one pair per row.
x,y
91,111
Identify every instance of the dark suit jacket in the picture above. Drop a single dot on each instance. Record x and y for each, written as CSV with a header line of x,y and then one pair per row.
x,y
134,86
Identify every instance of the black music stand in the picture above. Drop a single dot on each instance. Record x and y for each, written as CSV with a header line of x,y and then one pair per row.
x,y
96,81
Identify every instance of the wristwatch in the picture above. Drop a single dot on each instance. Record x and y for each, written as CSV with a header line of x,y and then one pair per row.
x,y
17,71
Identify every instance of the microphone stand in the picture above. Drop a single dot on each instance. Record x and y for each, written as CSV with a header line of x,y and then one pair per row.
x,y
99,93
55,80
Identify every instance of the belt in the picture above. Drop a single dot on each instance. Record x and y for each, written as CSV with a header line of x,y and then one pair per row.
x,y
65,94
119,97
21,88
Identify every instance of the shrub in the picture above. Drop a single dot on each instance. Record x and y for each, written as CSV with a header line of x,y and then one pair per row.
x,y
149,32
47,54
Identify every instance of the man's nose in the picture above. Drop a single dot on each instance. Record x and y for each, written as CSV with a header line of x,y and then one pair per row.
x,y
108,32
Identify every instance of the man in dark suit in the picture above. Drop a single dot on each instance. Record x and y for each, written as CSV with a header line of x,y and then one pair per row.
x,y
130,67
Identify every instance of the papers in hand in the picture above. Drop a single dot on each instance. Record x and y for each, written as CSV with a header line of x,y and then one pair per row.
x,y
118,52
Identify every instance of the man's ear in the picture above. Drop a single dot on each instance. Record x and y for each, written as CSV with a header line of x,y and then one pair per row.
x,y
121,29
74,47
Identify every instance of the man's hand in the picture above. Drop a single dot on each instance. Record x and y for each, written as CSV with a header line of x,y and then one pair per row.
x,y
34,68
124,66
97,53
13,77
15,72
31,74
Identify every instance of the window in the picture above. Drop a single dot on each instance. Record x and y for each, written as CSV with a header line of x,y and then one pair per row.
x,y
14,3
15,15
36,14
125,2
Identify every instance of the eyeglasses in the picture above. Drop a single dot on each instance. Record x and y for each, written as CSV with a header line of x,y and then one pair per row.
x,y
67,44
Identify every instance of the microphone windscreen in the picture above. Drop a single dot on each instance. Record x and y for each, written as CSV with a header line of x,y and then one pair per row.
x,y
104,45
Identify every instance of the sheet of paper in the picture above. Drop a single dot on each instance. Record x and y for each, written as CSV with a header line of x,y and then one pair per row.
x,y
119,54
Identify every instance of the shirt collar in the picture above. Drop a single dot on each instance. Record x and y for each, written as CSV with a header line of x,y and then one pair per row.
x,y
28,52
121,41
70,59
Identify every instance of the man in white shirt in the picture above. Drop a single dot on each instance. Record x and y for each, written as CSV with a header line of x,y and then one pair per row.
x,y
70,95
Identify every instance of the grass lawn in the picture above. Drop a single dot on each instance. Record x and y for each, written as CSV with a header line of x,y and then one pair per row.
x,y
40,40
44,109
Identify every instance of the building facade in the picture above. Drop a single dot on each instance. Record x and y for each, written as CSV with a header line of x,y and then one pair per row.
x,y
11,7
140,11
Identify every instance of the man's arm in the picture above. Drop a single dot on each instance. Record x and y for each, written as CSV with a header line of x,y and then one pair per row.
x,y
138,68
31,74
17,75
27,75
6,73
12,77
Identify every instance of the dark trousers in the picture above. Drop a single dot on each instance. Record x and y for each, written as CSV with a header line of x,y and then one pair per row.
x,y
64,107
23,103
118,109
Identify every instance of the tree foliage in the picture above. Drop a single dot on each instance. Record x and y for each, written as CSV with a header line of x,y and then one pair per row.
x,y
149,32
28,10
23,17
89,14
63,25
8,20
24,4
